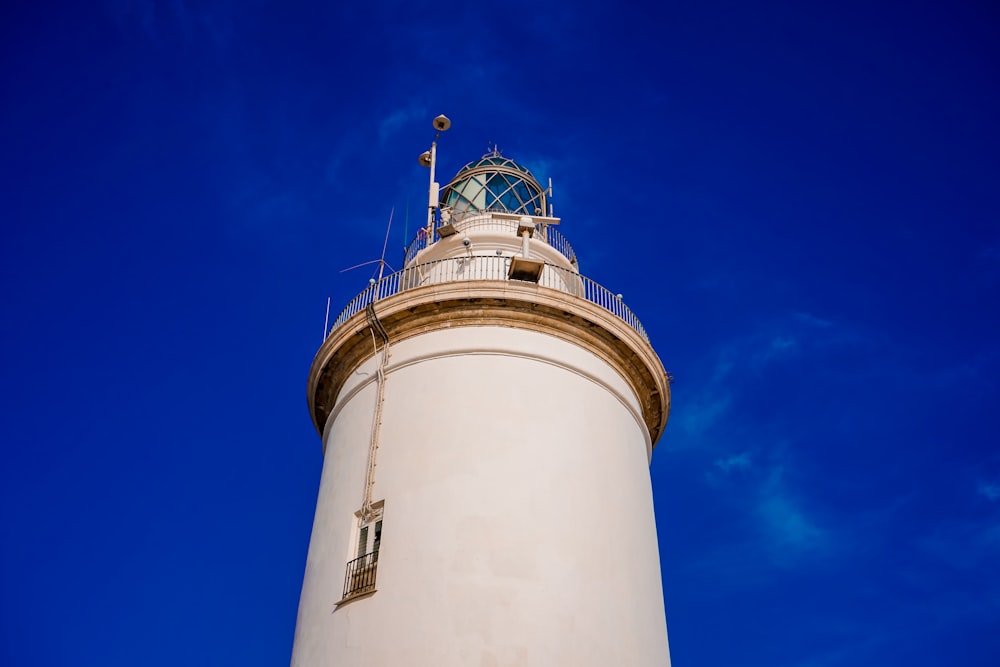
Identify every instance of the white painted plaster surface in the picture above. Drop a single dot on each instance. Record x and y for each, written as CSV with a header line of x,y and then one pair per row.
x,y
488,233
518,522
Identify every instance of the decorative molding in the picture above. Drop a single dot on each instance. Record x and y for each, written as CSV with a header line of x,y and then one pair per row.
x,y
494,303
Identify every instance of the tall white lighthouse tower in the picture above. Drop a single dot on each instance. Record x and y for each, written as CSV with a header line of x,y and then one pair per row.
x,y
488,414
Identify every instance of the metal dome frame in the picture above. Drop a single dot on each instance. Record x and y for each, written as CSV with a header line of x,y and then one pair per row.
x,y
494,183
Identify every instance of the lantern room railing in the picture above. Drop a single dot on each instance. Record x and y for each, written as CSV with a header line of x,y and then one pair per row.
x,y
483,221
487,267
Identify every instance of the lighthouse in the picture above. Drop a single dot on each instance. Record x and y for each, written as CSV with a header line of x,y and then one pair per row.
x,y
487,415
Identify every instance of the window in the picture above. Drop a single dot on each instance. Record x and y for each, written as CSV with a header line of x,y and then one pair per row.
x,y
369,539
363,542
360,576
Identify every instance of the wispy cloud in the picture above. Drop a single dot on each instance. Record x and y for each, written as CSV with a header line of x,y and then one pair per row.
x,y
989,490
778,520
701,414
811,320
779,524
791,528
783,343
710,403
788,529
793,334
392,123
733,463
779,345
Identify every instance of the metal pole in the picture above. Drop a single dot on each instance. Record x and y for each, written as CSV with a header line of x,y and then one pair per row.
x,y
431,196
326,323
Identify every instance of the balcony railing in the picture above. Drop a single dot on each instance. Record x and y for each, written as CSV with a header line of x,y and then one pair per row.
x,y
487,267
554,238
360,577
484,221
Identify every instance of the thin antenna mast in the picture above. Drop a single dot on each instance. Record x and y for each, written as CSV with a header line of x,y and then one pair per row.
x,y
406,226
326,323
381,262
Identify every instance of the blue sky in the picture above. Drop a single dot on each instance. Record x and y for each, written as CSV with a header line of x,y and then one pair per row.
x,y
799,202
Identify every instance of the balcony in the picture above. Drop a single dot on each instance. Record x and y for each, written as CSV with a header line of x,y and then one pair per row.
x,y
360,577
488,267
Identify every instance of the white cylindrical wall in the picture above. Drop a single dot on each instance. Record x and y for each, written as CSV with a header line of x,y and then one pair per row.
x,y
518,520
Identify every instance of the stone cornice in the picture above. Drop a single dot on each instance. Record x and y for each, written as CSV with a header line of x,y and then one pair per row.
x,y
494,303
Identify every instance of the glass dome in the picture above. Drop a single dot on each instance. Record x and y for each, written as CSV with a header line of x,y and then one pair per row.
x,y
494,183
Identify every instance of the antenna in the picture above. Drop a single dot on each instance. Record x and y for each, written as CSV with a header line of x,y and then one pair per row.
x,y
380,261
326,323
406,226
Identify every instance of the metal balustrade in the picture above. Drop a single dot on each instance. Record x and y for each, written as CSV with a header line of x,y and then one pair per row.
x,y
484,221
554,238
360,577
487,267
